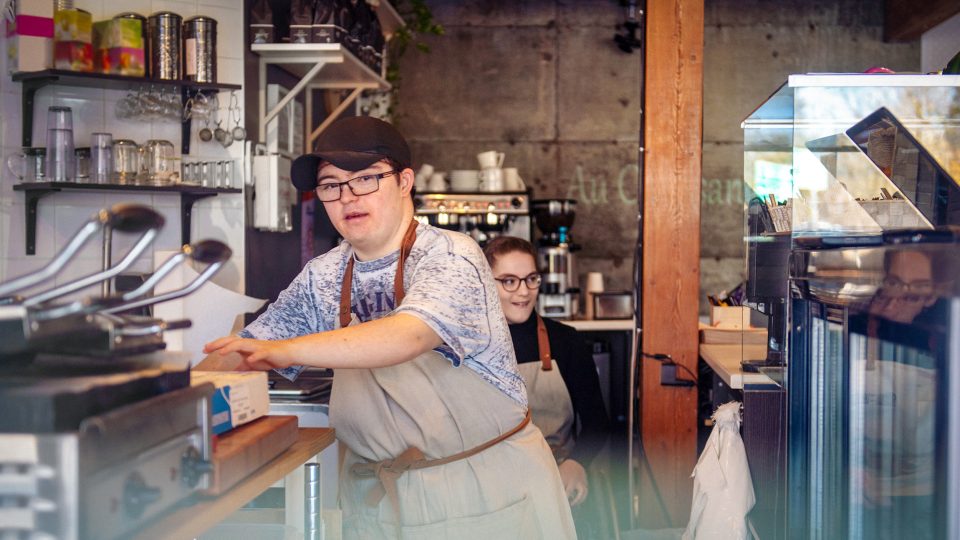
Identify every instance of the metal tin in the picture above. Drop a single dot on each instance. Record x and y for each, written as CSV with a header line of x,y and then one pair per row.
x,y
200,49
163,45
143,35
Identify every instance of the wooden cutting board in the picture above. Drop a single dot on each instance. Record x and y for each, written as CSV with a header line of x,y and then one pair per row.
x,y
241,451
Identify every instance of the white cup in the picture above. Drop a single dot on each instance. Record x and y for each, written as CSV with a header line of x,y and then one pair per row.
x,y
594,286
512,180
491,159
594,282
422,177
437,182
491,179
464,180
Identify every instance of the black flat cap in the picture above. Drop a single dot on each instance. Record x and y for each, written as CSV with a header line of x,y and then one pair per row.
x,y
352,144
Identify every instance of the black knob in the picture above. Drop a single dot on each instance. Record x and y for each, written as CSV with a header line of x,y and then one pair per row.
x,y
193,467
137,495
516,202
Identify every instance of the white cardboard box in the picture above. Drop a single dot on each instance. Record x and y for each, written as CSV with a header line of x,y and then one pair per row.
x,y
241,397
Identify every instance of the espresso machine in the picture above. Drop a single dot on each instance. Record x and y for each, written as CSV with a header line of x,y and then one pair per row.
x,y
482,216
555,257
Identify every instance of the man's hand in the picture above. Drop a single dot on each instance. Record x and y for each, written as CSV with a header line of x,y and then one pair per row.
x,y
380,343
574,479
257,354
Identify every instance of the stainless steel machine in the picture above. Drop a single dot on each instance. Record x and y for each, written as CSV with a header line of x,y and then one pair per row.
x,y
480,215
560,290
101,430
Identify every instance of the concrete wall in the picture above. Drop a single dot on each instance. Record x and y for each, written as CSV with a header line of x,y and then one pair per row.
x,y
940,43
542,81
749,49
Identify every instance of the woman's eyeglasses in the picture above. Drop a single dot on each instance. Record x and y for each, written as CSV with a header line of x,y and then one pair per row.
x,y
512,283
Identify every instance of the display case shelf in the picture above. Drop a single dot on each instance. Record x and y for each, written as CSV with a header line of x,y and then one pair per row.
x,y
38,190
35,80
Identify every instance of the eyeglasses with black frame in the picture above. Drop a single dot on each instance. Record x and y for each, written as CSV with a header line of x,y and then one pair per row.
x,y
361,185
512,283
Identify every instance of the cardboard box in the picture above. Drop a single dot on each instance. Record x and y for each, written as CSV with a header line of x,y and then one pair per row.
x,y
30,37
73,25
730,317
35,8
73,56
117,33
240,397
119,61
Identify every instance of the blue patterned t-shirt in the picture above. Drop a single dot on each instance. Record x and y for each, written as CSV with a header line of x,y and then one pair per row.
x,y
447,284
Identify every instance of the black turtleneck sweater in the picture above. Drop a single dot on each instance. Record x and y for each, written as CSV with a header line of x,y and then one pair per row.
x,y
575,362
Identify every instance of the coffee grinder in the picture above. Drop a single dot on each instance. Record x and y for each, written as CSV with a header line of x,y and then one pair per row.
x,y
559,290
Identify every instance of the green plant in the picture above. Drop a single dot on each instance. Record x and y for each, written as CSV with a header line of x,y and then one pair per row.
x,y
419,23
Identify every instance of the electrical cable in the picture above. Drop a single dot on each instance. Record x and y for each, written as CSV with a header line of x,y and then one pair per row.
x,y
667,360
638,368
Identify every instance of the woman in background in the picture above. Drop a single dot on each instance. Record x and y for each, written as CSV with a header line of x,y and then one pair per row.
x,y
556,364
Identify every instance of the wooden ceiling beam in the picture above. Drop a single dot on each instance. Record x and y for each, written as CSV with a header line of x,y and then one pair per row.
x,y
907,20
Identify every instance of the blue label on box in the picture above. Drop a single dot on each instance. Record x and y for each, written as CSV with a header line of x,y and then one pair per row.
x,y
221,411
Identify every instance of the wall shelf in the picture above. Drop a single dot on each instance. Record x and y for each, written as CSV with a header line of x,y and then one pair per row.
x,y
390,20
339,68
35,80
35,191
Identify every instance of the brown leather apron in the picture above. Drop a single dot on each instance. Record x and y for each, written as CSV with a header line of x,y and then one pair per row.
x,y
549,400
455,456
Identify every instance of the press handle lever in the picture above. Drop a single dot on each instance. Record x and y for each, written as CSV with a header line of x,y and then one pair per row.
x,y
134,218
131,219
121,217
205,251
222,252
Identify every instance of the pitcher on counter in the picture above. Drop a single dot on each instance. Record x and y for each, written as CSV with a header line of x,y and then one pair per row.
x,y
426,397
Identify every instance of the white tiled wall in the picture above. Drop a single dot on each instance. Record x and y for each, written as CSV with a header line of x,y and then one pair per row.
x,y
61,214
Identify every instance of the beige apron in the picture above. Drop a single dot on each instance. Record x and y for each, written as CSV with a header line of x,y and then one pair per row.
x,y
426,409
550,404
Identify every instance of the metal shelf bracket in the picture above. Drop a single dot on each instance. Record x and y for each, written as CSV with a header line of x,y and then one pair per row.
x,y
186,213
30,216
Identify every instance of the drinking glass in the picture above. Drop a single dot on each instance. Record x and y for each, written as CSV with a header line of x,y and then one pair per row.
x,y
126,161
61,164
101,157
28,165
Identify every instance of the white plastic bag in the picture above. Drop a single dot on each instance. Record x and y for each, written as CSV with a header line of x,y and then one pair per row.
x,y
722,488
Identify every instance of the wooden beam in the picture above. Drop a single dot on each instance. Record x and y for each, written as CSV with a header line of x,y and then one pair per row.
x,y
671,254
906,20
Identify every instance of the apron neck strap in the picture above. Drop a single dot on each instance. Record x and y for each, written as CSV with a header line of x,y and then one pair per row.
x,y
347,281
543,344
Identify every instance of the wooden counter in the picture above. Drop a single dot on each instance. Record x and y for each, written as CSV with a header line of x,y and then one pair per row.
x,y
204,513
599,325
724,360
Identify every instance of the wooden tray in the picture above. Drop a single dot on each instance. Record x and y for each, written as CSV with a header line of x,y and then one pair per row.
x,y
241,451
729,336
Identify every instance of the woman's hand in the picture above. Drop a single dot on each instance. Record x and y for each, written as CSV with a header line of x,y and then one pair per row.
x,y
574,479
258,354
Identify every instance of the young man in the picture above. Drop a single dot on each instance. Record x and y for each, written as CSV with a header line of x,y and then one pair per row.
x,y
432,409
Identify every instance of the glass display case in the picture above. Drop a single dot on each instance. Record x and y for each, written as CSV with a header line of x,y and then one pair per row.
x,y
874,419
851,207
837,155
835,159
